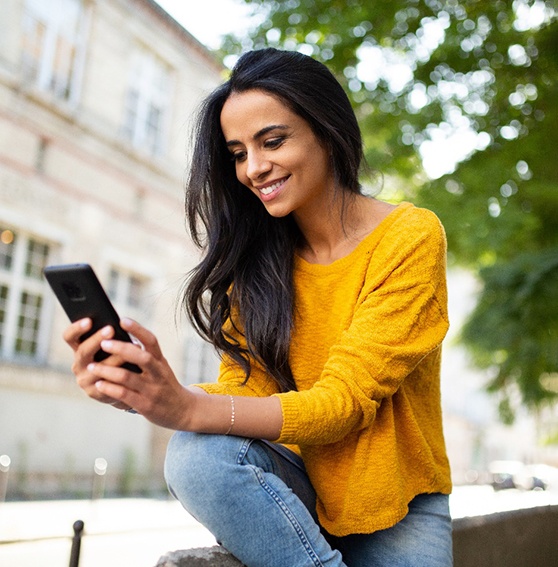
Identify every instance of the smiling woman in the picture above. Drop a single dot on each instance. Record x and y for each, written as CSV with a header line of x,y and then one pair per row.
x,y
321,443
331,302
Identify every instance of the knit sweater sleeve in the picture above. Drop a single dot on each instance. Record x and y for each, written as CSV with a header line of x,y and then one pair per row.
x,y
232,380
400,318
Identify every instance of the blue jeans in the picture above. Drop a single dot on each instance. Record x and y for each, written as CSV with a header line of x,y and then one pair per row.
x,y
256,499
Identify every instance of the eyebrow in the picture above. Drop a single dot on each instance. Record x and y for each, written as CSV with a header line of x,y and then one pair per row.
x,y
265,130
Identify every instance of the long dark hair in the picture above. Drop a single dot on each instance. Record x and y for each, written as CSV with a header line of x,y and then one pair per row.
x,y
244,283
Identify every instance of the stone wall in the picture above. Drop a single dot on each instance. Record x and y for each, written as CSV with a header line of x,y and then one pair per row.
x,y
519,538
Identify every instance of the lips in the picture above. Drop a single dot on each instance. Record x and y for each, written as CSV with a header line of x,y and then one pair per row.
x,y
269,189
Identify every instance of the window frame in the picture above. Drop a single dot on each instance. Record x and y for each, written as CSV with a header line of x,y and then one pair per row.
x,y
119,282
46,51
17,279
200,361
149,91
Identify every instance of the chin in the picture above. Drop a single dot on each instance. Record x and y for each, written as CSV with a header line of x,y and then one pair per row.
x,y
277,212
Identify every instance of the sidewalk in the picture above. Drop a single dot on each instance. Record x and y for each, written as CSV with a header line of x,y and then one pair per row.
x,y
117,532
137,532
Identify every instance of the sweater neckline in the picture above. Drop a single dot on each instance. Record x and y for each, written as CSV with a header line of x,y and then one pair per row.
x,y
365,243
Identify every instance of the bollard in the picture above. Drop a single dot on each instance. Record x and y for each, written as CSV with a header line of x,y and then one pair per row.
x,y
5,463
76,543
99,472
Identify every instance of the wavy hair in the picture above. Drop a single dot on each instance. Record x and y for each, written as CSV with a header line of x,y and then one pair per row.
x,y
244,282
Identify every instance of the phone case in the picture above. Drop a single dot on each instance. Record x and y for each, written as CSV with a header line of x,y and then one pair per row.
x,y
81,294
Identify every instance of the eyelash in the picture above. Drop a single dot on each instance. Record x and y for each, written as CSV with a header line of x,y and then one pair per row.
x,y
239,156
274,143
271,144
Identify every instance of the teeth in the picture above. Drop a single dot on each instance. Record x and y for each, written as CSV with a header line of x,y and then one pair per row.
x,y
271,188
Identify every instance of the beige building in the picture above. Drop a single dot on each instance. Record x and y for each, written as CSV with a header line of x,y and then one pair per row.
x,y
95,102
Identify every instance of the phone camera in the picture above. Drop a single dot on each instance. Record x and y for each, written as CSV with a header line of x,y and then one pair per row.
x,y
73,291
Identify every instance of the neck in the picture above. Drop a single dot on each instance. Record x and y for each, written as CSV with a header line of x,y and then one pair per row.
x,y
334,232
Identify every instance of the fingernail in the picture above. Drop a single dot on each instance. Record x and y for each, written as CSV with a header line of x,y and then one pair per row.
x,y
106,345
106,331
125,321
84,323
91,367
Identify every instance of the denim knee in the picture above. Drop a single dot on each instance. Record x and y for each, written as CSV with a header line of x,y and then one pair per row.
x,y
174,459
198,467
236,493
188,462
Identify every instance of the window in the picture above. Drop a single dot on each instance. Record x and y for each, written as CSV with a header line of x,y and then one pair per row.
x,y
52,46
22,290
128,291
147,103
201,362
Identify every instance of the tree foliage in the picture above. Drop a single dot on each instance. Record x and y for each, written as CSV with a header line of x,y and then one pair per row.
x,y
421,72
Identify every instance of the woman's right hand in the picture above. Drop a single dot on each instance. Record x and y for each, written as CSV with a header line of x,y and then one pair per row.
x,y
84,353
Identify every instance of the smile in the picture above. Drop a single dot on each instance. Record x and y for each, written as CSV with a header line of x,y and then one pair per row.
x,y
273,187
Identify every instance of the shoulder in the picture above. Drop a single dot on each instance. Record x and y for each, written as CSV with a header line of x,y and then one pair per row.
x,y
409,227
417,227
412,244
419,219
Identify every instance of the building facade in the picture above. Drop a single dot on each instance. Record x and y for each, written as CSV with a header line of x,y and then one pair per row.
x,y
96,98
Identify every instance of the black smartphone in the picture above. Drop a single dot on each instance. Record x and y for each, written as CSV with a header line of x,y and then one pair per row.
x,y
81,295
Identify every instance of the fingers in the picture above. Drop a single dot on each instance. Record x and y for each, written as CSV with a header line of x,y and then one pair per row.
x,y
85,352
108,382
86,349
72,334
147,339
156,395
111,386
127,352
119,384
114,381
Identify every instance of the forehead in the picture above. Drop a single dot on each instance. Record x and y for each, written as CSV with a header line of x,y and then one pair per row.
x,y
248,112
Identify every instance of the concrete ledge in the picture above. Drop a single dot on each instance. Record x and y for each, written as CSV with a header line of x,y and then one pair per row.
x,y
518,538
215,556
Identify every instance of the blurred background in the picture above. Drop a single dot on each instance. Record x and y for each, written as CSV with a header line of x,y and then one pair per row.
x,y
457,101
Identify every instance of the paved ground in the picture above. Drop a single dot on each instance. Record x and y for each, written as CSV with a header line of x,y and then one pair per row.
x,y
131,532
136,532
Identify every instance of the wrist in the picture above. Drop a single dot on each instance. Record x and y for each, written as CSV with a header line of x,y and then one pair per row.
x,y
233,416
208,413
189,409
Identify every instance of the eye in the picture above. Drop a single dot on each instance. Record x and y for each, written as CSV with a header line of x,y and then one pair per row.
x,y
238,156
274,143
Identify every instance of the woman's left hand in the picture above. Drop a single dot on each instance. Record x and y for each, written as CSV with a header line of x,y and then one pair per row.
x,y
155,393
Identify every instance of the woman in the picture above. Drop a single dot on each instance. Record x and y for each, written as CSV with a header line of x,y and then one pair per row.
x,y
321,443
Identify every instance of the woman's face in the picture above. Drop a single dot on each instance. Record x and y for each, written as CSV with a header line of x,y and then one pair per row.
x,y
276,154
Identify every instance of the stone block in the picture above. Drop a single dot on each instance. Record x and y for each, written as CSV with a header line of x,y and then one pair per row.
x,y
215,556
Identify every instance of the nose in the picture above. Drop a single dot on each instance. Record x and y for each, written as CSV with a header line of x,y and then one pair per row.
x,y
257,166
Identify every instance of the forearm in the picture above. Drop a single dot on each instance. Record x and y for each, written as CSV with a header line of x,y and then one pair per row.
x,y
260,418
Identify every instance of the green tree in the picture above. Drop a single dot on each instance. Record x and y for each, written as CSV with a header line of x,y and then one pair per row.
x,y
422,73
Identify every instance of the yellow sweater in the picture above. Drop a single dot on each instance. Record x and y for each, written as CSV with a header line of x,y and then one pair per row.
x,y
365,355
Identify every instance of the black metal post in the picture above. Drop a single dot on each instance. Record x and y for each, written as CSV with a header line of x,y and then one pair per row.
x,y
76,543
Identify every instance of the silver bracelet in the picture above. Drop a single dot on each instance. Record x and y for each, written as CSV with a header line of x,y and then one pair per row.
x,y
232,416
